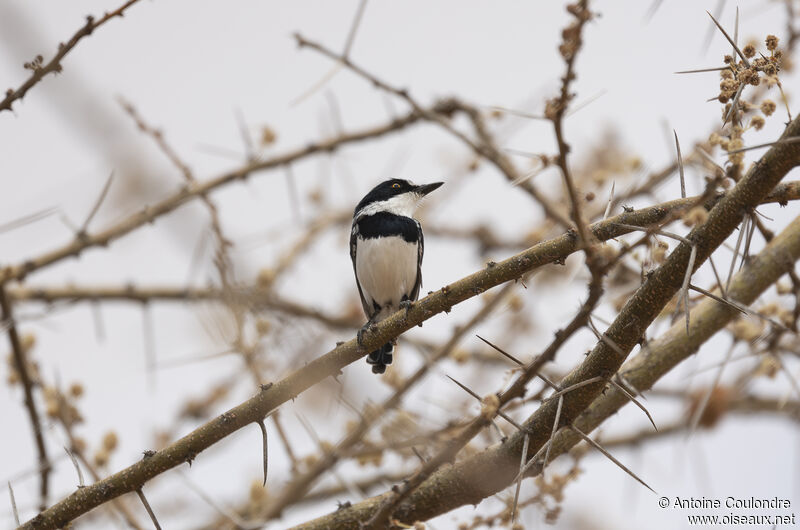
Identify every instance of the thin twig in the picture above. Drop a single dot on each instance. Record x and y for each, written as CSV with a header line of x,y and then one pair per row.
x,y
149,345
81,483
13,504
605,339
147,507
712,69
54,65
265,453
520,113
742,229
247,140
476,396
680,164
580,384
651,11
230,515
351,36
654,230
634,400
710,33
556,426
717,277
733,43
573,41
791,140
748,239
21,367
523,454
532,461
735,32
501,351
685,288
287,445
610,200
701,407
600,448
97,204
27,219
519,363
739,307
734,103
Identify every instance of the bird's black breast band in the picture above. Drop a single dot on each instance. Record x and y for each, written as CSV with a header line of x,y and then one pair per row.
x,y
383,224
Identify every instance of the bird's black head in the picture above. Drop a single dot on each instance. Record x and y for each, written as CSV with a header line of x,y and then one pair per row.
x,y
396,195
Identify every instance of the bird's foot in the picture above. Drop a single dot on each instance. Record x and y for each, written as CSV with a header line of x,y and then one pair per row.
x,y
369,326
407,305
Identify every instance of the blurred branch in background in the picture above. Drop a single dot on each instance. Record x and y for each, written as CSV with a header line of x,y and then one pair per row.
x,y
23,368
40,69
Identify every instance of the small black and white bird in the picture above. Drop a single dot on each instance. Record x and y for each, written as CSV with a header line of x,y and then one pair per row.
x,y
386,247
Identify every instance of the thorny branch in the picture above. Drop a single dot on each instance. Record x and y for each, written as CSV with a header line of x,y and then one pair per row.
x,y
475,481
667,351
557,107
389,505
40,70
299,486
22,365
641,309
329,364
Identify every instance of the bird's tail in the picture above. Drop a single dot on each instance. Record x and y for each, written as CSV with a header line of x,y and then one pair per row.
x,y
380,358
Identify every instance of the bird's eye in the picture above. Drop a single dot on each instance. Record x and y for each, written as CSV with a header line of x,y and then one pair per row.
x,y
396,186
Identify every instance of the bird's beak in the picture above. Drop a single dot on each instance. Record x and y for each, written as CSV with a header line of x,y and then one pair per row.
x,y
425,189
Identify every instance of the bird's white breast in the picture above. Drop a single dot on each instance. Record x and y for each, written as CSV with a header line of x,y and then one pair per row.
x,y
386,268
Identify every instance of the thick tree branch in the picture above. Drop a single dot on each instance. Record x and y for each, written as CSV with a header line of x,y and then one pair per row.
x,y
675,345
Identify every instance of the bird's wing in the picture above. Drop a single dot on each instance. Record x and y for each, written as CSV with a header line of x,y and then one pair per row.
x,y
353,241
420,251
